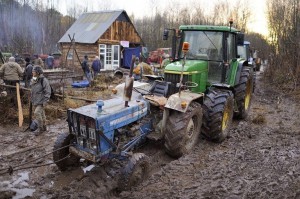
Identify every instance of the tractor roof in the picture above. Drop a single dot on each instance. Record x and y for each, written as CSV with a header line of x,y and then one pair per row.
x,y
208,28
246,43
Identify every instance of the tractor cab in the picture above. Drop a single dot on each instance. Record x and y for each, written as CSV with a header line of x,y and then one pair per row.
x,y
211,59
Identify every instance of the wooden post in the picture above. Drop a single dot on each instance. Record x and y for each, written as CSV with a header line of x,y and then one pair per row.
x,y
19,105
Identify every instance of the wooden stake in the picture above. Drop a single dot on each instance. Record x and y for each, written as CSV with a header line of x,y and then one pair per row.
x,y
19,105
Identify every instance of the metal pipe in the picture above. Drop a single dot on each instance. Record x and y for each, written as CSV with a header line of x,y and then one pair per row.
x,y
164,120
129,84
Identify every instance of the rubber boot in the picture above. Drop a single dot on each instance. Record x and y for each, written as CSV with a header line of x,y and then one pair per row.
x,y
38,132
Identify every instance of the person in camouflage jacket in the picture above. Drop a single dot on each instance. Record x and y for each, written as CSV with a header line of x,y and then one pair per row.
x,y
40,96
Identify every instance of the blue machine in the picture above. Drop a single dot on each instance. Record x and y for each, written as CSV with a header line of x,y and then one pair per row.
x,y
111,129
97,128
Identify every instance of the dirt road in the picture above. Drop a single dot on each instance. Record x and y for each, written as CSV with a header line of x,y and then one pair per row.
x,y
257,161
260,159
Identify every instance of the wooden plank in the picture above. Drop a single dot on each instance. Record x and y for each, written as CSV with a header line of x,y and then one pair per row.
x,y
19,105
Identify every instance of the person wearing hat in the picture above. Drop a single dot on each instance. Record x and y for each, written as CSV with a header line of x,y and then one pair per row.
x,y
11,72
40,96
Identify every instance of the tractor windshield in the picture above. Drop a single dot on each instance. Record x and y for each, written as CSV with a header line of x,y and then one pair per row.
x,y
204,45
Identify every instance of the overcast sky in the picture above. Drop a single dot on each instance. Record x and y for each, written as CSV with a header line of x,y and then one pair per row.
x,y
142,8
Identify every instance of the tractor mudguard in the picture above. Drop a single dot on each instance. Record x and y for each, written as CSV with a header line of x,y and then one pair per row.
x,y
181,102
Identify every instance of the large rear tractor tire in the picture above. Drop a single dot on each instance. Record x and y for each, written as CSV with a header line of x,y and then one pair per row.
x,y
243,94
182,130
218,112
60,157
135,171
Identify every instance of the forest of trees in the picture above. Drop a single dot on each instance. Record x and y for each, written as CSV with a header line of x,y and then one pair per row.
x,y
284,27
35,26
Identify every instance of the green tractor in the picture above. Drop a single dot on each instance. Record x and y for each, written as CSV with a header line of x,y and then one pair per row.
x,y
215,85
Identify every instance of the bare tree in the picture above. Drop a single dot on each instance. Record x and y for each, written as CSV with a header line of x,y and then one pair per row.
x,y
284,28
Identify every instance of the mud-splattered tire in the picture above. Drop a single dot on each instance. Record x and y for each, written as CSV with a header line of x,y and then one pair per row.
x,y
135,171
182,130
243,94
64,140
217,114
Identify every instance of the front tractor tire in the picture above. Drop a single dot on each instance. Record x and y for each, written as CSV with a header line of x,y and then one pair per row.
x,y
135,171
243,94
218,112
182,130
61,156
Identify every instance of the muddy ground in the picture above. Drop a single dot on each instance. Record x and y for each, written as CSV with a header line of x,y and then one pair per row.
x,y
260,159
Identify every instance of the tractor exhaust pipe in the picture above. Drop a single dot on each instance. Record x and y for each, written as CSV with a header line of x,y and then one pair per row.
x,y
129,84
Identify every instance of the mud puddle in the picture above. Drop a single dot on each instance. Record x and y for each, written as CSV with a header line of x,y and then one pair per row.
x,y
17,187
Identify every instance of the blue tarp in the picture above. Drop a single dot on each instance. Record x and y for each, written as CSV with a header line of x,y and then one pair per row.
x,y
128,52
81,84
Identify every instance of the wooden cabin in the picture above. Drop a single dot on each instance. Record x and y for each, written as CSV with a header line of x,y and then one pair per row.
x,y
107,34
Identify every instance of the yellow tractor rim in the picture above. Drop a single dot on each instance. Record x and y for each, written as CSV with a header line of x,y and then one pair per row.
x,y
225,118
248,95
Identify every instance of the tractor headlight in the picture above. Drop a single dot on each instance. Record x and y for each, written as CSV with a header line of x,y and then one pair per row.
x,y
80,141
92,145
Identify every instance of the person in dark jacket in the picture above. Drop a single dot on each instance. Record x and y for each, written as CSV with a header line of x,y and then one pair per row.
x,y
27,60
49,62
96,65
28,74
40,96
86,68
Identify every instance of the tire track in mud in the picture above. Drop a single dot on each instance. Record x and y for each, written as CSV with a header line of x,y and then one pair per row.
x,y
257,161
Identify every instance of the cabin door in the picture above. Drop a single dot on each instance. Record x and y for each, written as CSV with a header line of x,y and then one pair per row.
x,y
109,56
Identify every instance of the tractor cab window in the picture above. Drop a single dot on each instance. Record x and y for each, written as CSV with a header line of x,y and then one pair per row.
x,y
204,45
242,52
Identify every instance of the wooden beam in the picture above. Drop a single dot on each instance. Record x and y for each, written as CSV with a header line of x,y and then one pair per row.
x,y
57,95
19,105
